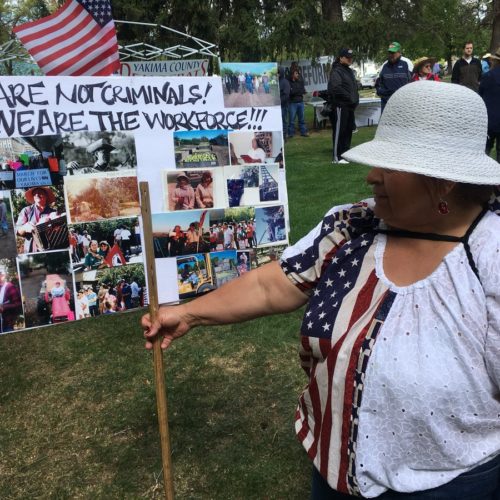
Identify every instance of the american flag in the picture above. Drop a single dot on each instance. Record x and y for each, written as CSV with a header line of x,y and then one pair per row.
x,y
335,266
78,39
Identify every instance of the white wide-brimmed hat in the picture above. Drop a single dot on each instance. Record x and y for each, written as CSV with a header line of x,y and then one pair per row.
x,y
435,129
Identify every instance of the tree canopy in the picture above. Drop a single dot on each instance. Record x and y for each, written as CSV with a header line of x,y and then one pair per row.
x,y
275,30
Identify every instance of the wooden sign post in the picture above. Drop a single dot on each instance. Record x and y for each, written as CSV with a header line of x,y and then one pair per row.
x,y
161,394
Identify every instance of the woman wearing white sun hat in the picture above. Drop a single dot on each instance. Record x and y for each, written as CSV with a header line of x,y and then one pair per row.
x,y
401,336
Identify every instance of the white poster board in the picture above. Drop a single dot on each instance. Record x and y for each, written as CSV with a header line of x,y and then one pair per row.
x,y
85,142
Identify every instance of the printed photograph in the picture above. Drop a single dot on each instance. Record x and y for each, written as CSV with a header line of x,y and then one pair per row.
x,y
40,219
233,228
194,189
252,185
11,308
268,183
201,148
181,233
250,84
195,275
247,260
268,254
107,243
95,152
31,161
224,266
47,285
255,147
270,225
8,247
105,197
110,290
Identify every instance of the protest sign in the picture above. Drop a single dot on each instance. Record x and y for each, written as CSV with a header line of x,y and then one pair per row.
x,y
72,151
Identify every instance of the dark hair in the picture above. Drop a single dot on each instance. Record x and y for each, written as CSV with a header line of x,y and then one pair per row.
x,y
468,43
474,194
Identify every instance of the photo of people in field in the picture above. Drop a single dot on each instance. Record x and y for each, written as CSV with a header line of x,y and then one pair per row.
x,y
250,84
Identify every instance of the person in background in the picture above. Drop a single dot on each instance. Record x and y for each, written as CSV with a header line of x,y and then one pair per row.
x,y
401,335
93,260
485,63
395,73
422,70
285,99
10,303
3,217
137,233
489,90
92,299
344,96
296,104
467,70
135,293
126,295
125,236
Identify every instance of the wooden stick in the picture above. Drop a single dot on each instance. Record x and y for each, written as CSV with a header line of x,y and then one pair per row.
x,y
161,394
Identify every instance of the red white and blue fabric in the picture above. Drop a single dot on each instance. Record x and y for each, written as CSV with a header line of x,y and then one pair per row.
x,y
78,39
353,411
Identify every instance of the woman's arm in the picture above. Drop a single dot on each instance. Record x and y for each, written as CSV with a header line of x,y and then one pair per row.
x,y
261,292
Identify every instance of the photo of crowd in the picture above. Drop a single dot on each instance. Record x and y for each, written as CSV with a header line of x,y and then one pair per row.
x,y
250,84
106,243
110,290
201,148
96,152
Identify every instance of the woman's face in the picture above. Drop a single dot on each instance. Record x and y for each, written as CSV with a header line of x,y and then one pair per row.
x,y
183,182
104,247
206,180
93,247
425,69
403,200
40,198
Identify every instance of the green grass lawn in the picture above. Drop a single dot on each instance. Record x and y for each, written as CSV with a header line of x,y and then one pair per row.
x,y
77,401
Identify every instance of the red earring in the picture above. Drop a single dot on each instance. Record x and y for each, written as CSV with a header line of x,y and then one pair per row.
x,y
443,208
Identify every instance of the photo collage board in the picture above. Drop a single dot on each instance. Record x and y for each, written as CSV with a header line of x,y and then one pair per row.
x,y
71,242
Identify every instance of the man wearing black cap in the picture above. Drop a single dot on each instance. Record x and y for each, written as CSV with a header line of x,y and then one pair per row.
x,y
344,98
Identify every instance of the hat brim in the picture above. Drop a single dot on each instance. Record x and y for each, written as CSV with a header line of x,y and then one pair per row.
x,y
30,197
471,168
393,50
429,60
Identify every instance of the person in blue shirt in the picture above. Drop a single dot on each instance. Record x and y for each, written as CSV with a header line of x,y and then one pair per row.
x,y
395,73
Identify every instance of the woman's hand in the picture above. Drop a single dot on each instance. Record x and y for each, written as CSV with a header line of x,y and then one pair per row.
x,y
170,323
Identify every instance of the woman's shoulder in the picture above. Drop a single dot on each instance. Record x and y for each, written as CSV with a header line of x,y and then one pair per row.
x,y
340,223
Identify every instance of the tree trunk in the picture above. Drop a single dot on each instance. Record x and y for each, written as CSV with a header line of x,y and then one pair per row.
x,y
332,10
495,33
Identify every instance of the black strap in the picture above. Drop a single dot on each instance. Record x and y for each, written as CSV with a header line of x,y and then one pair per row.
x,y
402,233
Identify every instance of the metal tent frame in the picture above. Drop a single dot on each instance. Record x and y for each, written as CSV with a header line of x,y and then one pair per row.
x,y
146,52
13,49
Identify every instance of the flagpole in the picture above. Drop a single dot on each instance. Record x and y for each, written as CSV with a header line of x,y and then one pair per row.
x,y
161,395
